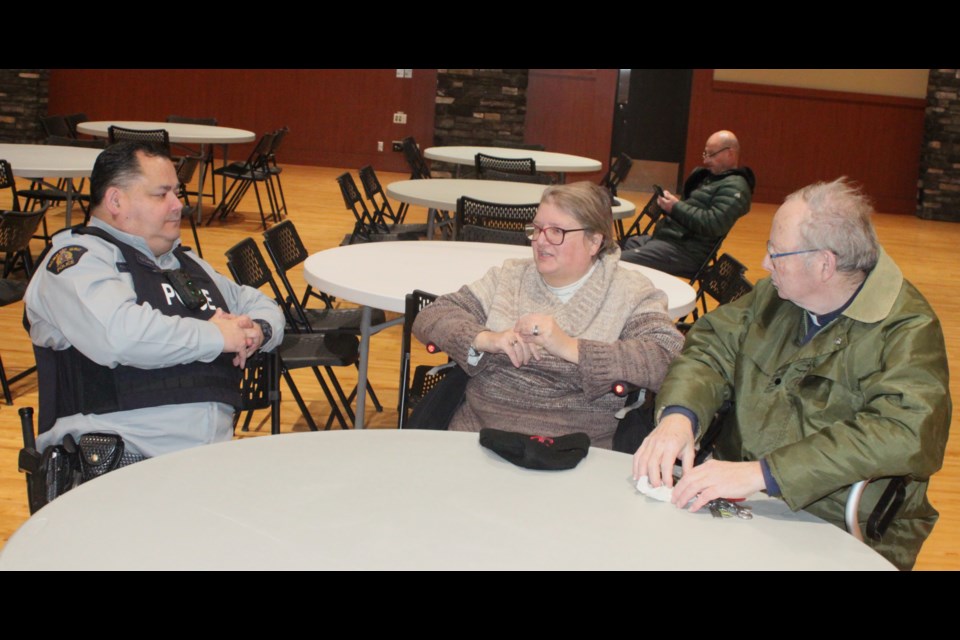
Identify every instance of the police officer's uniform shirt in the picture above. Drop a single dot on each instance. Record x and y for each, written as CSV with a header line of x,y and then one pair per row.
x,y
80,298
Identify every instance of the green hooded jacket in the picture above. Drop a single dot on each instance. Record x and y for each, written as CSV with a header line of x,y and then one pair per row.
x,y
868,397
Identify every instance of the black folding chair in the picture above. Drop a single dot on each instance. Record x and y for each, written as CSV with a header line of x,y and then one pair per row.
x,y
159,137
365,228
643,223
204,155
298,350
510,169
17,228
425,377
286,251
383,215
724,282
244,174
479,221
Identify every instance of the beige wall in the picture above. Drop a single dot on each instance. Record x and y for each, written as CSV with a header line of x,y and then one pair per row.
x,y
906,83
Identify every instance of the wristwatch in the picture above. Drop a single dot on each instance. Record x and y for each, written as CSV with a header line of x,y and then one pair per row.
x,y
267,331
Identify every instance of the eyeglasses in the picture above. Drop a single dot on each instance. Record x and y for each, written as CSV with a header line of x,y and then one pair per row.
x,y
773,256
554,235
707,154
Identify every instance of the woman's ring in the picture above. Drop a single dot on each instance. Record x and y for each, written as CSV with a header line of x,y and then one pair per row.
x,y
536,330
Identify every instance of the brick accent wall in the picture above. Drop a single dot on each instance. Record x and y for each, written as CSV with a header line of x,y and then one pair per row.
x,y
23,101
939,191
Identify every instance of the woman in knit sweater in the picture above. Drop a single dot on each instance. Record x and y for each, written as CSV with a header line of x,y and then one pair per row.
x,y
544,339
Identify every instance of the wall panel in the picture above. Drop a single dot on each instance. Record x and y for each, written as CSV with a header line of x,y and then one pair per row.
x,y
336,116
792,137
571,111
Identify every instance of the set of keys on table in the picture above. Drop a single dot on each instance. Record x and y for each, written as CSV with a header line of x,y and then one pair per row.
x,y
719,507
723,508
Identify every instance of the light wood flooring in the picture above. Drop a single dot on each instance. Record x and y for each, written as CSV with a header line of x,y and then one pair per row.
x,y
924,250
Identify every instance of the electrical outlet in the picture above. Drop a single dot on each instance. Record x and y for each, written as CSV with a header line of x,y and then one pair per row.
x,y
400,72
379,145
397,145
399,118
408,73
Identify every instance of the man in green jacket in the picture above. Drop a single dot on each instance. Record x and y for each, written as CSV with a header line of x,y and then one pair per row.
x,y
838,372
714,197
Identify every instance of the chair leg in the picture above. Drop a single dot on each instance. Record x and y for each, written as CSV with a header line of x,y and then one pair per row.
x,y
263,218
6,386
299,399
340,394
196,238
283,199
335,408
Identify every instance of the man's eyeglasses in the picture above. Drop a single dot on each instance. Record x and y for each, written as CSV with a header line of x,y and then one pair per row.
x,y
554,235
707,154
773,256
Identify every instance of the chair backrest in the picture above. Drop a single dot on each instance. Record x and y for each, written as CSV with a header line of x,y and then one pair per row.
x,y
372,188
286,250
364,223
17,228
724,281
617,173
73,119
479,221
56,126
418,166
247,266
186,167
645,220
414,303
278,137
7,181
523,166
157,136
260,155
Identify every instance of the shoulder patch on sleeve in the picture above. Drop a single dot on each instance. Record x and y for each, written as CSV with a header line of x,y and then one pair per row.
x,y
65,258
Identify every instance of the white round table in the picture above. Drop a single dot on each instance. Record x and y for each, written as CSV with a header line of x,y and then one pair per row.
x,y
545,160
178,132
37,161
443,194
403,500
379,275
202,134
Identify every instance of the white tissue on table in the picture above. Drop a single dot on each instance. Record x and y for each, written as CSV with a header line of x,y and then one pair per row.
x,y
663,493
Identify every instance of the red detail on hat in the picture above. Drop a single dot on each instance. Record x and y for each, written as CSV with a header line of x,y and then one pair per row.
x,y
543,440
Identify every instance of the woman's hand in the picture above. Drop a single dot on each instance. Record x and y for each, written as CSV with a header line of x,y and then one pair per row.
x,y
507,342
539,331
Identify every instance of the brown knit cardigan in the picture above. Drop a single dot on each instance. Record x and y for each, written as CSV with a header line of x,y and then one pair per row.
x,y
618,316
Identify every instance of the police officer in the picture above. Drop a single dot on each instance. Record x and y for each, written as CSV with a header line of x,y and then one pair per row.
x,y
134,334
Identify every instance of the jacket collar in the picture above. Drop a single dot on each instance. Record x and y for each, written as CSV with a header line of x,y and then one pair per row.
x,y
879,292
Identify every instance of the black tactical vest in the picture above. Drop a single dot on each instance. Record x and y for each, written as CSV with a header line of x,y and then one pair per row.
x,y
71,383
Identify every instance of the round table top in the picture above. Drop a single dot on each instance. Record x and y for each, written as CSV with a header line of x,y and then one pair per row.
x,y
405,500
443,193
178,132
381,274
49,161
545,160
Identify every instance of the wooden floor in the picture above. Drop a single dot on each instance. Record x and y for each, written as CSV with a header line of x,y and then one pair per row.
x,y
924,250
